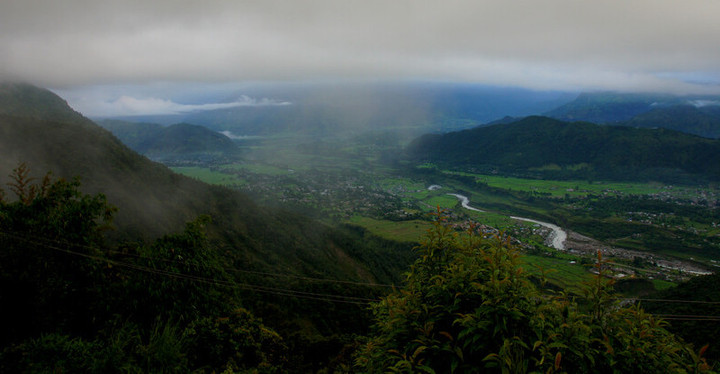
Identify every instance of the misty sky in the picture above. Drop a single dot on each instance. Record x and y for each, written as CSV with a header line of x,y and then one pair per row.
x,y
110,53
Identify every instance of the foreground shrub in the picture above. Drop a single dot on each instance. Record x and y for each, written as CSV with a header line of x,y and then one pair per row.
x,y
468,307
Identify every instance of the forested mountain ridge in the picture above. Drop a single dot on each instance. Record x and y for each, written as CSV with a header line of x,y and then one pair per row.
x,y
542,146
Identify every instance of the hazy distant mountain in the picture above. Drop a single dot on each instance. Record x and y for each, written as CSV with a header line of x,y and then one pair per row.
x,y
698,115
703,121
179,141
542,146
607,107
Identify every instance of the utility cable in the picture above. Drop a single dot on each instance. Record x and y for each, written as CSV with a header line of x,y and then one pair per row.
x,y
675,301
255,272
219,282
112,251
283,291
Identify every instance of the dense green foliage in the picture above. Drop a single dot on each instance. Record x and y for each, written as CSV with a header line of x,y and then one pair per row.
x,y
70,304
38,283
544,147
468,307
179,296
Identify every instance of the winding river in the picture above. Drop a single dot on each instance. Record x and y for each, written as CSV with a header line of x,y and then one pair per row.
x,y
557,237
465,202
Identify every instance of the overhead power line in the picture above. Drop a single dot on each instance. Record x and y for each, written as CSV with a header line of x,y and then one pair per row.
x,y
213,281
285,291
232,269
255,272
677,301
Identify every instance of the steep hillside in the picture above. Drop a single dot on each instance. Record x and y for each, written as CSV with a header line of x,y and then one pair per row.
x,y
132,134
541,146
25,100
152,200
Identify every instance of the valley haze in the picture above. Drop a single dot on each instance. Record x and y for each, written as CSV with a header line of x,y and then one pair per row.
x,y
242,186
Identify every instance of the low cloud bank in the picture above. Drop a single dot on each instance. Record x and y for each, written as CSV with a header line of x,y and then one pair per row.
x,y
232,136
702,103
131,106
